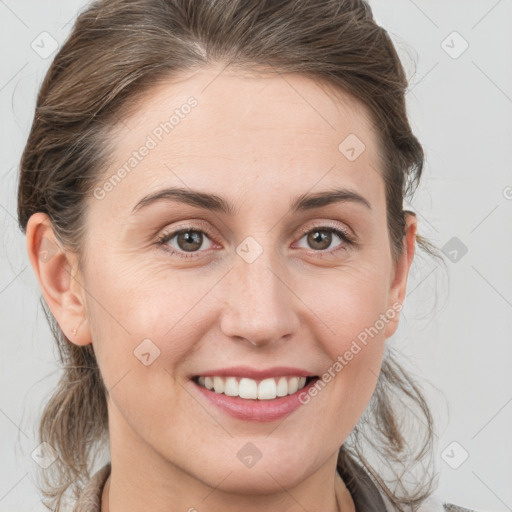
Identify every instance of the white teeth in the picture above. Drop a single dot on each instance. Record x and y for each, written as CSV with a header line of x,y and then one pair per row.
x,y
248,388
266,389
218,384
231,387
282,387
293,385
208,383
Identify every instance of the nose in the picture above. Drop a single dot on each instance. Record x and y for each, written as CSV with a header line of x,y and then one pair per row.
x,y
260,303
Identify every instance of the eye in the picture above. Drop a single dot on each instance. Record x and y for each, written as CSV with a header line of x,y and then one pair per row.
x,y
320,238
187,240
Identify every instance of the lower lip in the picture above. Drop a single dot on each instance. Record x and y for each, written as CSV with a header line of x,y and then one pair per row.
x,y
252,409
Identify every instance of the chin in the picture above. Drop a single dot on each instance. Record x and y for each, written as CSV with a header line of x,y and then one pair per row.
x,y
258,483
262,479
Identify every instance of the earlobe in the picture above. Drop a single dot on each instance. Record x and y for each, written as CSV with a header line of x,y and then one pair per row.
x,y
55,270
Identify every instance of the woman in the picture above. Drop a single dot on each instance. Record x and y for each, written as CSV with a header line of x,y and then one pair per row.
x,y
212,196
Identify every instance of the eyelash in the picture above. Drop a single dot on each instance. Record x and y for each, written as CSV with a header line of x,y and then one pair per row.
x,y
342,234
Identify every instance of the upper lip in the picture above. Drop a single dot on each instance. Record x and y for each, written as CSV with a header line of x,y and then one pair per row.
x,y
256,373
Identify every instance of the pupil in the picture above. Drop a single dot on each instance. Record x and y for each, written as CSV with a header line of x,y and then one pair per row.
x,y
190,237
319,237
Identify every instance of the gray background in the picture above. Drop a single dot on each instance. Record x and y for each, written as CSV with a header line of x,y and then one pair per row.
x,y
455,329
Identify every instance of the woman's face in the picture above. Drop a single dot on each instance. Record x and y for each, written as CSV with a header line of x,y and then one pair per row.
x,y
255,283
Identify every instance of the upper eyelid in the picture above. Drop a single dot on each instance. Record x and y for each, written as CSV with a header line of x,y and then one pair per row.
x,y
302,231
329,225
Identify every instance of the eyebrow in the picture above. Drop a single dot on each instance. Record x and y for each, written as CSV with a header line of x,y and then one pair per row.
x,y
215,203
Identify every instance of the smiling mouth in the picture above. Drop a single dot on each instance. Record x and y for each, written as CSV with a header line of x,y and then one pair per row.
x,y
251,389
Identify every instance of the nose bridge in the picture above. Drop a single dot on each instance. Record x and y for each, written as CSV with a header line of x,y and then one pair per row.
x,y
259,306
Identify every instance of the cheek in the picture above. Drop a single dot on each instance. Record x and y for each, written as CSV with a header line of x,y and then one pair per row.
x,y
351,319
143,314
350,306
140,298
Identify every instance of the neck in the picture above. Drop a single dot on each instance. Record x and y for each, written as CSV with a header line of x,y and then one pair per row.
x,y
343,498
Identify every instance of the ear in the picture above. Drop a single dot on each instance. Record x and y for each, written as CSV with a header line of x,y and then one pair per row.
x,y
56,272
400,273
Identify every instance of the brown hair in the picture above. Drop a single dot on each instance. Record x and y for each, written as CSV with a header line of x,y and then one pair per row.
x,y
117,50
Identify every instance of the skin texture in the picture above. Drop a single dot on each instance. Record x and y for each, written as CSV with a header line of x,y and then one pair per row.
x,y
259,142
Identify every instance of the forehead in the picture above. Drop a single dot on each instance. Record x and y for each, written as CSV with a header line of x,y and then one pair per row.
x,y
234,98
287,129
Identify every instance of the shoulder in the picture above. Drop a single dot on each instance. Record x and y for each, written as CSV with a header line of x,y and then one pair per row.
x,y
368,497
90,498
450,507
436,504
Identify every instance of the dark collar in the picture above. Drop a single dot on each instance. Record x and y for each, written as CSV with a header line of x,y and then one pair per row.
x,y
365,493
